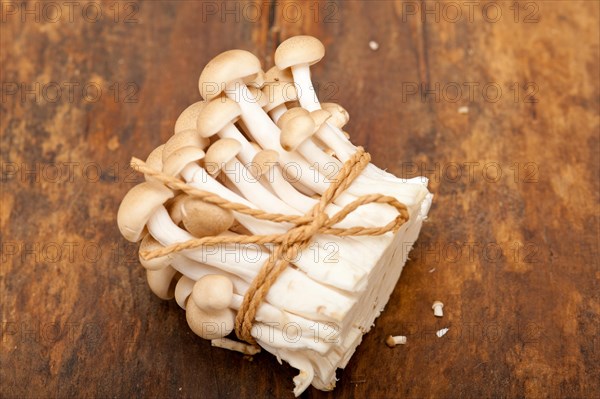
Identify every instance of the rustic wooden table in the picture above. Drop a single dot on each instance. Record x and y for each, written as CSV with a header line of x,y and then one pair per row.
x,y
497,103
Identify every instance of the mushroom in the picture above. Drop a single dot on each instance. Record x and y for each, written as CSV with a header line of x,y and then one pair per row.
x,y
339,116
296,134
218,117
279,89
154,160
221,156
187,119
149,244
392,341
323,303
189,137
203,219
266,312
209,324
183,290
213,292
138,205
225,74
298,53
163,281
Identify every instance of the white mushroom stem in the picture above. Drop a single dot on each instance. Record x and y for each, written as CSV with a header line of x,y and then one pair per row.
x,y
328,133
266,133
242,178
266,313
319,302
246,260
330,256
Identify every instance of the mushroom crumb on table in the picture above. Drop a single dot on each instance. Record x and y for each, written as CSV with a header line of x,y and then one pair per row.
x,y
222,184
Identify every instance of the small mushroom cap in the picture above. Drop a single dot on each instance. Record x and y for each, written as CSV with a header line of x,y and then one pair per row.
x,y
174,208
225,68
320,116
150,244
216,115
437,303
257,81
339,115
183,290
209,325
179,159
220,153
389,341
299,50
296,131
162,282
263,161
202,219
258,97
185,138
187,119
276,75
154,160
291,114
213,292
279,93
137,207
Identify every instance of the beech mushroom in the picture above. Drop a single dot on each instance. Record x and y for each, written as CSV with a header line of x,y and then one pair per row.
x,y
154,160
162,282
187,119
221,156
149,244
138,205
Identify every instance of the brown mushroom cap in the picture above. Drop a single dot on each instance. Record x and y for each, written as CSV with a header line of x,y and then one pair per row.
x,y
339,116
220,153
162,282
263,161
209,325
320,116
185,138
179,159
291,114
216,115
154,160
258,96
225,68
295,131
213,292
276,75
202,219
279,93
299,50
137,207
174,207
187,119
149,243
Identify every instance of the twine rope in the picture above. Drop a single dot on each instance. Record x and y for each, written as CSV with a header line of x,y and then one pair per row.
x,y
289,244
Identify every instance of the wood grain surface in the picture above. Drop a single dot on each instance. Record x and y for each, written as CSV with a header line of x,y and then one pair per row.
x,y
511,245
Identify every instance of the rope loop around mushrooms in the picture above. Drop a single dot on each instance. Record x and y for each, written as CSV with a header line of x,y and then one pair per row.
x,y
290,243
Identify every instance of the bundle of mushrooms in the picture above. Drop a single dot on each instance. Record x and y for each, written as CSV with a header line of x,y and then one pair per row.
x,y
262,141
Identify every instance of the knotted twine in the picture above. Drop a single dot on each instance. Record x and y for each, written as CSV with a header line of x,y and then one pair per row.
x,y
289,244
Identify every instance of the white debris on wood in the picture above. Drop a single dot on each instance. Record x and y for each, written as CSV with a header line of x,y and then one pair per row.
x,y
236,346
437,309
392,341
373,45
441,332
431,270
463,110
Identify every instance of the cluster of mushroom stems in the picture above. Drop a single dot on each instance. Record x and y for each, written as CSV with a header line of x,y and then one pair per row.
x,y
263,139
